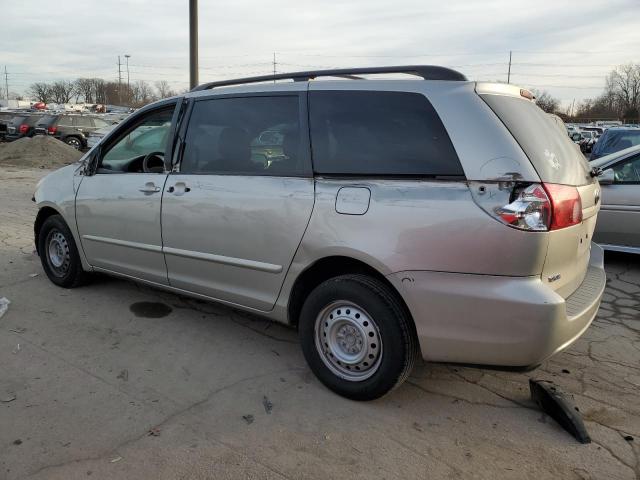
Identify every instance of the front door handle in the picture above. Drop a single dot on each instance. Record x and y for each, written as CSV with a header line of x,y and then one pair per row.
x,y
150,187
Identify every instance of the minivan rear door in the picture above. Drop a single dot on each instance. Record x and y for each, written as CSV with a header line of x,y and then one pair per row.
x,y
235,208
557,160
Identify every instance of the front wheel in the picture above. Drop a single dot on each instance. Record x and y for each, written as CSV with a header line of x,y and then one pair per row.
x,y
59,254
357,336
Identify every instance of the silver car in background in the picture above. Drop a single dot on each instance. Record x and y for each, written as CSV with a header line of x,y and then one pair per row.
x,y
386,218
618,226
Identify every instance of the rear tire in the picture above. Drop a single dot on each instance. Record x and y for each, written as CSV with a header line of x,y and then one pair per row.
x,y
59,255
357,336
73,142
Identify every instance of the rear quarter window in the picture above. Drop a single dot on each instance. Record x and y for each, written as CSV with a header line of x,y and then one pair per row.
x,y
552,153
379,133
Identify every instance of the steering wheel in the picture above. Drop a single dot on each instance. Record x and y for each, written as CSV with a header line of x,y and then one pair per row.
x,y
150,162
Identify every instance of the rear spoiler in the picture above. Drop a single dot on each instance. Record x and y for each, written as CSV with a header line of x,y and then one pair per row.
x,y
503,89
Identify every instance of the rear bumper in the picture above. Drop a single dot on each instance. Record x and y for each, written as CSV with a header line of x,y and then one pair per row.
x,y
496,320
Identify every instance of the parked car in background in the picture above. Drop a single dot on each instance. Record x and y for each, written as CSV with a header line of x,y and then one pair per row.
x,y
5,120
587,140
406,235
71,129
618,226
590,128
22,125
614,140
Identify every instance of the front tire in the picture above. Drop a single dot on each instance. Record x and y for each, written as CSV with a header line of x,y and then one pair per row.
x,y
59,255
357,336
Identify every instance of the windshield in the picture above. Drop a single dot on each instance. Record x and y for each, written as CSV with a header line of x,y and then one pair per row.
x,y
615,140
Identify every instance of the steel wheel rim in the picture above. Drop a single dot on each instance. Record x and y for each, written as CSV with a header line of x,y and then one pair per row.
x,y
348,341
58,255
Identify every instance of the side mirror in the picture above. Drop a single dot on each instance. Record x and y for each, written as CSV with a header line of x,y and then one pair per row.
x,y
607,177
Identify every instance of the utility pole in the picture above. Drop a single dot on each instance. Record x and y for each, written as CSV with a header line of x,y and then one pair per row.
x,y
509,73
193,43
119,82
6,83
274,66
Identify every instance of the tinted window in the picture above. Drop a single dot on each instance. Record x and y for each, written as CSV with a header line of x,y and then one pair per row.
x,y
65,121
18,120
379,133
249,135
627,171
82,122
554,156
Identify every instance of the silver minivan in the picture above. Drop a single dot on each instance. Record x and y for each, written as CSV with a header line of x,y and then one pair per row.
x,y
382,217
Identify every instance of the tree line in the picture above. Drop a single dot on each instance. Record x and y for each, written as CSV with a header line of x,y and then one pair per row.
x,y
100,91
620,99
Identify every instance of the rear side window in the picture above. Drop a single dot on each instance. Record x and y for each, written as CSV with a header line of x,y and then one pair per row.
x,y
379,133
65,121
82,122
246,135
552,153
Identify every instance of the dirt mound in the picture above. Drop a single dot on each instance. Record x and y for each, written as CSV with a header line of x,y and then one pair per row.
x,y
39,152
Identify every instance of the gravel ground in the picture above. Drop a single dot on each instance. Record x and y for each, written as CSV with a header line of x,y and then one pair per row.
x,y
208,392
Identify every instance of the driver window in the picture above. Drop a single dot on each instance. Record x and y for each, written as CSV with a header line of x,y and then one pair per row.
x,y
146,137
628,171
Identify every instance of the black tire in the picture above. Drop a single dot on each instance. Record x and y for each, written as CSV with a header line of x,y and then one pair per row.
x,y
74,142
69,273
399,347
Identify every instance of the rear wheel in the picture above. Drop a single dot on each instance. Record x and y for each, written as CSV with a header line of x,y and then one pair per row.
x,y
73,142
59,254
357,337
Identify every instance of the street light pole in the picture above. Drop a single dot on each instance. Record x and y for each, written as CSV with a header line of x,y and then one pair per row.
x,y
126,56
193,43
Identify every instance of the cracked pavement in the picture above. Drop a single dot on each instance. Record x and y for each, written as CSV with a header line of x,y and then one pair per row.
x,y
103,393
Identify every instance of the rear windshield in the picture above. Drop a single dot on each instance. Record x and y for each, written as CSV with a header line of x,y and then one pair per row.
x,y
46,120
615,140
554,156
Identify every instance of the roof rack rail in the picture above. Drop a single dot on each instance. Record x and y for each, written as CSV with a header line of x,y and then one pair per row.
x,y
427,72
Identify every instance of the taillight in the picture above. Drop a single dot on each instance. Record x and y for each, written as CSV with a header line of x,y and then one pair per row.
x,y
23,128
529,210
52,130
537,207
565,204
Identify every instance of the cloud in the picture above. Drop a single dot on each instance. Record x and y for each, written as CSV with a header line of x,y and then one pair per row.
x,y
559,45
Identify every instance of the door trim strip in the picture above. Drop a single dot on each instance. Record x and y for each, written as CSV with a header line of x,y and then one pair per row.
x,y
124,243
235,262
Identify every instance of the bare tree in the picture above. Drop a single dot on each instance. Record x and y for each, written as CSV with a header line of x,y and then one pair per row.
x,y
40,91
85,89
623,87
62,91
141,93
545,101
164,89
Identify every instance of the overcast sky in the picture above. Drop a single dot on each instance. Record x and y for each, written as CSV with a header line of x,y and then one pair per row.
x,y
566,47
